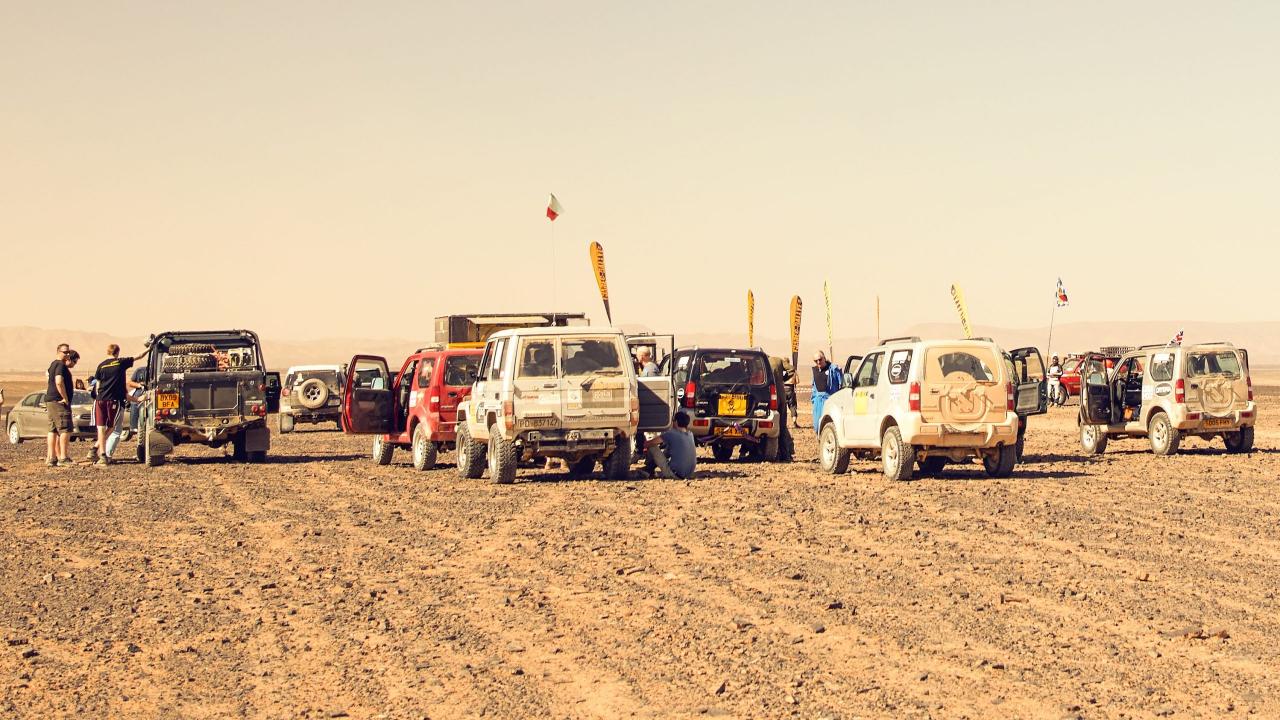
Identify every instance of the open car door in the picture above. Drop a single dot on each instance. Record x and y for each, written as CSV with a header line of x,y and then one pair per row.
x,y
850,364
1097,401
273,392
1030,383
657,399
368,405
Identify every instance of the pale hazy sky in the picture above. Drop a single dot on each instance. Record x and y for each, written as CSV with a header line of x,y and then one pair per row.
x,y
343,169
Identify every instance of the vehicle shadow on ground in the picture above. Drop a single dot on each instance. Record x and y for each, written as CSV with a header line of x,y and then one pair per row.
x,y
1200,451
563,477
271,459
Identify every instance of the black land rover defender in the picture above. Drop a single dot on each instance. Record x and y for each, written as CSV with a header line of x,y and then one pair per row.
x,y
206,387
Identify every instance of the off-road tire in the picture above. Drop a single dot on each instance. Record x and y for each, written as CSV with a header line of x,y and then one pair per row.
x,y
1001,465
1062,396
312,394
502,457
1022,439
1239,442
141,450
1092,439
238,452
148,458
196,362
424,451
618,465
15,435
1165,438
582,467
769,449
471,460
721,451
286,423
932,465
190,348
896,456
832,458
382,451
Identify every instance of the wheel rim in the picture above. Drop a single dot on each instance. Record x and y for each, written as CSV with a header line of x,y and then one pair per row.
x,y
493,459
828,448
13,434
377,448
890,454
1159,434
1086,434
419,450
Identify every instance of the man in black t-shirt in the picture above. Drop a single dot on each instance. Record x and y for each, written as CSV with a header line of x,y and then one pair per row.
x,y
113,389
57,404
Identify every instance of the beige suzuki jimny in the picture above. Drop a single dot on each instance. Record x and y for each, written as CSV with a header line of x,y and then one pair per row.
x,y
1165,393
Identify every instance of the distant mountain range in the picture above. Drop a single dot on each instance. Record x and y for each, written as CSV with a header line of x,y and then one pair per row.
x,y
26,349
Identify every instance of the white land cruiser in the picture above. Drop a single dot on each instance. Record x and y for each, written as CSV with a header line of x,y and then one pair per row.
x,y
929,402
312,394
1166,392
554,392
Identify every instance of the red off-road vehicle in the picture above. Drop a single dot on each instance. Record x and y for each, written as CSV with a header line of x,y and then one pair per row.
x,y
420,413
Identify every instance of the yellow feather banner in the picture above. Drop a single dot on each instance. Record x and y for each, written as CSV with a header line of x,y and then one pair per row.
x,y
597,263
958,296
751,319
826,293
797,306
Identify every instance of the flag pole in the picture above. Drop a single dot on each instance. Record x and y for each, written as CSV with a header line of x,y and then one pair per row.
x,y
553,272
1052,315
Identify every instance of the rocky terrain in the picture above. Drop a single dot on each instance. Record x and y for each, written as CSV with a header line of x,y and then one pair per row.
x,y
321,585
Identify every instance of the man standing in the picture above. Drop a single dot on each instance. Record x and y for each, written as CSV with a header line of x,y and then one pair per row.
x,y
113,387
827,379
793,406
644,357
57,404
674,452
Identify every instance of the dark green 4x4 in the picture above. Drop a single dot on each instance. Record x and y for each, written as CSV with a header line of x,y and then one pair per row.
x,y
209,388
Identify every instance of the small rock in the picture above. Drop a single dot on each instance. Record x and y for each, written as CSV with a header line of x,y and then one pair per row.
x,y
133,649
267,586
922,676
835,605
719,688
818,628
30,653
1164,711
517,671
338,714
515,648
741,623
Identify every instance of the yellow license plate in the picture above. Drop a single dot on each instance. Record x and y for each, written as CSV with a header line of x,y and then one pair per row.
x,y
732,405
730,432
1218,422
167,401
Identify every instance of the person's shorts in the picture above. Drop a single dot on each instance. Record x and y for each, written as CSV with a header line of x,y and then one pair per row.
x,y
105,413
59,416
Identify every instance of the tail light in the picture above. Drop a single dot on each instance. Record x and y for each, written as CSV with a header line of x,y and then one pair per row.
x,y
262,387
913,397
635,410
773,397
508,414
1010,397
1248,379
435,399
1180,392
690,394
260,410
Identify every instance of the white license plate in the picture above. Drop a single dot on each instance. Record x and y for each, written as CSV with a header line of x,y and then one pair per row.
x,y
538,422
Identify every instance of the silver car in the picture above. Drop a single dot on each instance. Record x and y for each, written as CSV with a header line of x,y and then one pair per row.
x,y
28,420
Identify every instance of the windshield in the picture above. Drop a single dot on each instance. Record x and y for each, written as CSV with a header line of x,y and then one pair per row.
x,y
328,376
719,368
960,365
587,355
1221,362
80,397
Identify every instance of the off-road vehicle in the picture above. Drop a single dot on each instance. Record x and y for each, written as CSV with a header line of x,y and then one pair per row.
x,y
423,411
205,387
732,399
1165,393
928,403
556,392
312,394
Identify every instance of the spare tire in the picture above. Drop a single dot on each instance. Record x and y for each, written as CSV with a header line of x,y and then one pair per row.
x,y
312,394
190,348
189,363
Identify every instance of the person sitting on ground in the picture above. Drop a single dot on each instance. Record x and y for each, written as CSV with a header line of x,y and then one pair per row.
x,y
674,452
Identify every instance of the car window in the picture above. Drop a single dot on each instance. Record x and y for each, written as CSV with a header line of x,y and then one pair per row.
x,y
80,397
405,380
1222,362
426,368
460,371
585,356
869,370
899,366
1162,367
1095,372
33,399
722,368
681,374
969,365
1070,366
537,358
498,360
288,379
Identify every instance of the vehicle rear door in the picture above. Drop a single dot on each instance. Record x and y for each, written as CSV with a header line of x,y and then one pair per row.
x,y
595,385
1029,382
539,401
454,386
657,393
961,385
368,406
1097,401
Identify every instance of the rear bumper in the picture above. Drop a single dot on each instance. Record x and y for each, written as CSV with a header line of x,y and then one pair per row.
x,y
544,442
327,413
710,429
1205,422
979,435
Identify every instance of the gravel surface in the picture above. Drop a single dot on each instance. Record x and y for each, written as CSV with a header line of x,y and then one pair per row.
x,y
321,585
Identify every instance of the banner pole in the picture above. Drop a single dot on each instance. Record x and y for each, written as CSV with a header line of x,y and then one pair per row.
x,y
1052,315
553,272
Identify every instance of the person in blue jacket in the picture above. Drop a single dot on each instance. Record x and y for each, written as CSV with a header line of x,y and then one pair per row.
x,y
826,380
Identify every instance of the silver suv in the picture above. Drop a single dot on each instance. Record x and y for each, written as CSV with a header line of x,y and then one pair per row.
x,y
1165,393
557,392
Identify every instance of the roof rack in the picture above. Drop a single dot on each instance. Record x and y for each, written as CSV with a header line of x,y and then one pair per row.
x,y
979,339
904,338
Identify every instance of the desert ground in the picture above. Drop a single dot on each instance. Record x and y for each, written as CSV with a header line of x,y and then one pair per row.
x,y
320,585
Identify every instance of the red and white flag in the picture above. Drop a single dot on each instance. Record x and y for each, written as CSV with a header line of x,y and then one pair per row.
x,y
1177,339
554,209
1061,294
